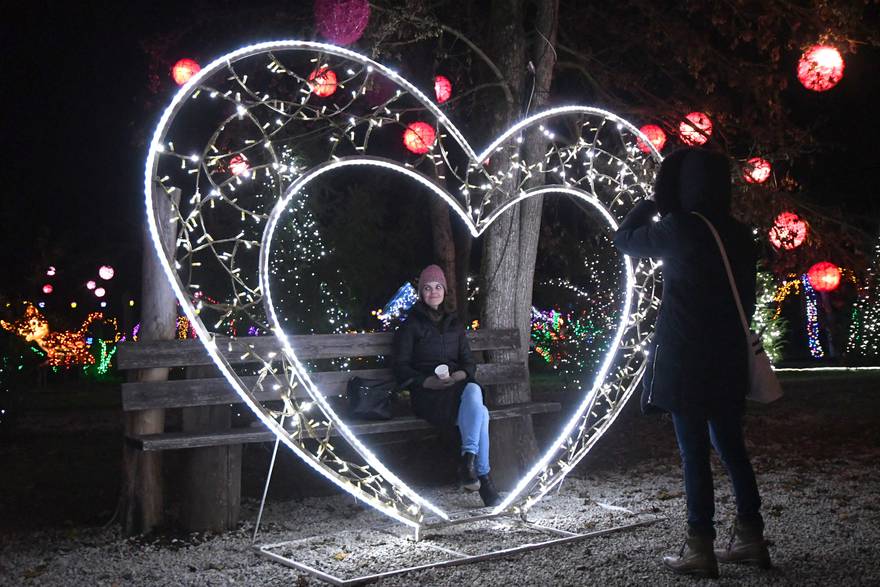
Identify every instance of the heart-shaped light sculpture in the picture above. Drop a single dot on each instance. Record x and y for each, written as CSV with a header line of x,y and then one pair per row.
x,y
257,104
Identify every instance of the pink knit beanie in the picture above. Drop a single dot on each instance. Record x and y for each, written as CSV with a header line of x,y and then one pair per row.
x,y
432,273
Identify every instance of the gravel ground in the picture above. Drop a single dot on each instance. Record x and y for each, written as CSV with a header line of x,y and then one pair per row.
x,y
817,455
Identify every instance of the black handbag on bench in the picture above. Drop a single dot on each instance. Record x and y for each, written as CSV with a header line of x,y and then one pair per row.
x,y
370,399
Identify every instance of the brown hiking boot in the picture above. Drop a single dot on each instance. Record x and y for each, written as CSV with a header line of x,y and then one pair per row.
x,y
747,546
695,558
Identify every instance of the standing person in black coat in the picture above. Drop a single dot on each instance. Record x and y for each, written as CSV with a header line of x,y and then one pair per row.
x,y
432,352
698,367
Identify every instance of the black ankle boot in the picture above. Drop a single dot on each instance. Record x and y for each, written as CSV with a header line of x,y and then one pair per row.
x,y
488,492
468,472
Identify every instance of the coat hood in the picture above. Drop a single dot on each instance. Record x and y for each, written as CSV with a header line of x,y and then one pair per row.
x,y
693,180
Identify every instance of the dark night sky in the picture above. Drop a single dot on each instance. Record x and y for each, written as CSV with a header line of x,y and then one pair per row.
x,y
76,118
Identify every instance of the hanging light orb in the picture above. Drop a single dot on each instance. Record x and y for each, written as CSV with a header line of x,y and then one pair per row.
x,y
342,22
419,137
442,88
820,68
757,170
656,136
824,276
100,292
183,70
47,289
696,129
238,165
51,271
788,232
106,272
91,284
323,82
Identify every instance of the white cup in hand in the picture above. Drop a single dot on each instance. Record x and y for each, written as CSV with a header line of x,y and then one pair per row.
x,y
442,372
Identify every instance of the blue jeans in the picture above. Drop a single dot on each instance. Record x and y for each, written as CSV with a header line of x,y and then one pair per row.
x,y
725,432
473,423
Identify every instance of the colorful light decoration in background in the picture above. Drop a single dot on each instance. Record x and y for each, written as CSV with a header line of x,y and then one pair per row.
x,y
403,299
788,232
183,70
106,272
656,136
62,348
757,170
342,22
91,284
323,82
419,137
100,292
824,276
820,68
238,165
812,319
696,129
442,88
50,272
47,289
766,319
864,332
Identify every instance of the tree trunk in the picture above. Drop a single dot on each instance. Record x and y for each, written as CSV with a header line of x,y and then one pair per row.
x,y
444,243
511,242
142,498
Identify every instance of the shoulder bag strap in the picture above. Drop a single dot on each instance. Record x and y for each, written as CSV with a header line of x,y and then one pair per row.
x,y
742,314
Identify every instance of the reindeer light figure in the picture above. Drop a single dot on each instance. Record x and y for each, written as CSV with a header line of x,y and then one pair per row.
x,y
63,348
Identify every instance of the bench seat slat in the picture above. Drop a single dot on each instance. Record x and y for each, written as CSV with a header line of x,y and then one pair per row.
x,y
187,353
214,391
180,440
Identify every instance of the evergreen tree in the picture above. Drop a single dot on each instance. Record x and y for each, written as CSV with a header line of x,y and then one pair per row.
x,y
864,334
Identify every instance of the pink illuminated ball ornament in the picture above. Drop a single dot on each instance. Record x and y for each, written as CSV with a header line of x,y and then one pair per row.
x,y
820,68
419,137
239,165
323,82
655,135
183,70
342,22
106,272
100,292
442,88
51,271
824,276
788,232
757,170
90,284
696,130
47,289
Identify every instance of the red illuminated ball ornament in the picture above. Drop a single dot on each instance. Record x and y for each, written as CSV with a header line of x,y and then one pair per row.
x,y
342,22
442,88
47,289
106,272
100,292
788,232
239,165
824,276
696,130
419,137
655,135
90,284
323,82
820,68
183,70
757,170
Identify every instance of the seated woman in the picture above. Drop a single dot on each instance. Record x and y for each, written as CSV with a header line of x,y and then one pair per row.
x,y
432,337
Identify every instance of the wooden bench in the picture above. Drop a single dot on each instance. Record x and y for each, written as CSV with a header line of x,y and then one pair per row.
x,y
215,390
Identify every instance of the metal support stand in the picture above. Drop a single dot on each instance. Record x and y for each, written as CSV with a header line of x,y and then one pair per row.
x,y
453,557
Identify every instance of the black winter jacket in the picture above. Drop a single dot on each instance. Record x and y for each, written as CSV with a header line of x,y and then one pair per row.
x,y
698,362
419,346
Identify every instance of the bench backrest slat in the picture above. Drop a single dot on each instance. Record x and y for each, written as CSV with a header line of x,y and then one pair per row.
x,y
188,353
203,392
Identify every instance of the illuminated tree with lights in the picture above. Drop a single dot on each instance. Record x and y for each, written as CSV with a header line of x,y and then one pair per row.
x,y
864,334
766,320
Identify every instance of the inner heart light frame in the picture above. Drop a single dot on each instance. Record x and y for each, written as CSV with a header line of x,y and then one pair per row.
x,y
245,136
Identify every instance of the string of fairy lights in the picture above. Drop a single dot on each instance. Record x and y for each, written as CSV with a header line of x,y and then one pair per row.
x,y
243,139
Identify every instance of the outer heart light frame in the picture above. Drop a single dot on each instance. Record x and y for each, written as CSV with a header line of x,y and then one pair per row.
x,y
383,489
